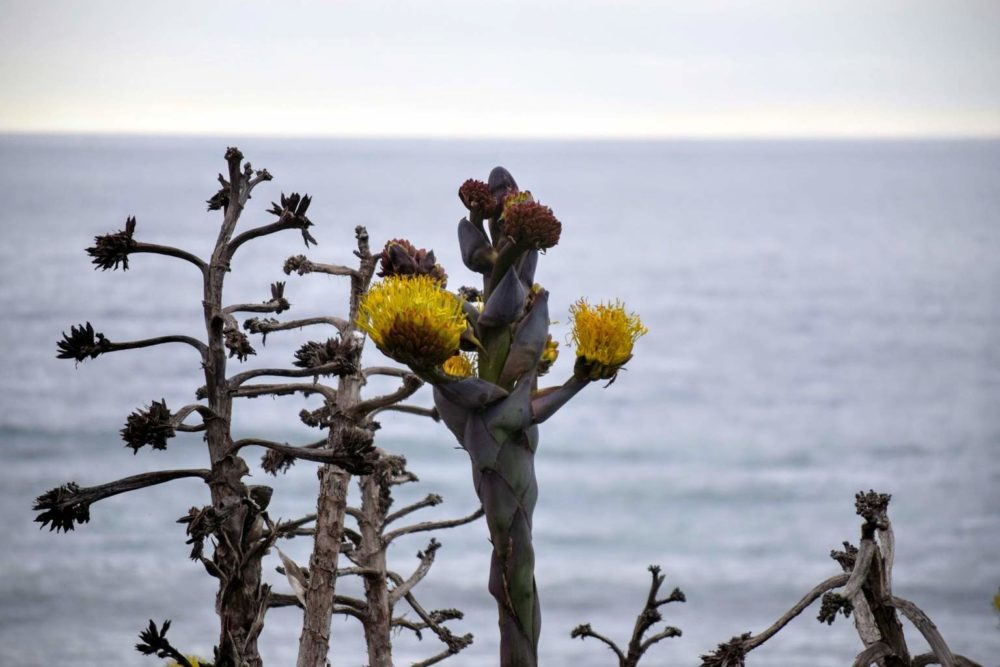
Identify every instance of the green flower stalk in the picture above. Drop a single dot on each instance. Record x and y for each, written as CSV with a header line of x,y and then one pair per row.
x,y
490,399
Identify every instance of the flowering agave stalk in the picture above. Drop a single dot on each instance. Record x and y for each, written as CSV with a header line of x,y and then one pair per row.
x,y
490,399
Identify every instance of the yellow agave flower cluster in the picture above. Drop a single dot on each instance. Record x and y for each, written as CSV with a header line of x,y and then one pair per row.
x,y
462,365
413,320
604,335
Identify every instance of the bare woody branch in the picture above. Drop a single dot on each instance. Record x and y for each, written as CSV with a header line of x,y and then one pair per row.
x,y
453,642
431,500
646,619
266,326
237,380
432,525
300,265
83,342
170,251
407,409
68,504
426,560
348,460
411,383
255,390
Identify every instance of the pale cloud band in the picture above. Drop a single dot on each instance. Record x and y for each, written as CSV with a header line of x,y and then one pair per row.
x,y
772,68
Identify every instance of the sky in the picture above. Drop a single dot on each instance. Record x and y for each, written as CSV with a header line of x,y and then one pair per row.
x,y
486,68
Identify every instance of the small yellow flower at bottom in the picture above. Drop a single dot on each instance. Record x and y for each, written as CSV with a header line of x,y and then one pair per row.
x,y
462,365
604,335
413,320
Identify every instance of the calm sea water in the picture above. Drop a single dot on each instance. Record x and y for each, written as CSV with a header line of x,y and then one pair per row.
x,y
824,318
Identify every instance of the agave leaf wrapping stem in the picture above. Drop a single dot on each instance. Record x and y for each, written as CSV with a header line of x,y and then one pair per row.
x,y
501,445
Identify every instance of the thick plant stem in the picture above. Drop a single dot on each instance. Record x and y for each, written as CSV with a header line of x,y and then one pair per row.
x,y
241,599
502,455
378,615
508,495
314,642
331,504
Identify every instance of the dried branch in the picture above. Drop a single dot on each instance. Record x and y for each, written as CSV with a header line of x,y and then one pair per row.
x,y
256,390
408,409
83,342
454,643
426,560
69,503
386,370
411,383
276,304
300,265
584,630
647,618
800,606
432,500
357,462
291,215
238,379
265,326
170,251
431,525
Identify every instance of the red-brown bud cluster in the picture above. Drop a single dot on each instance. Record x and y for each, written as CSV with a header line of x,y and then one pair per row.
x,y
531,225
478,198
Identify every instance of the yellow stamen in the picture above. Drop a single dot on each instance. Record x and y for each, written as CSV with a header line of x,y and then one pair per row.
x,y
604,334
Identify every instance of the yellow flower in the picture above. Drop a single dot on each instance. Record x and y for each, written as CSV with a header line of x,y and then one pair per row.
x,y
195,662
462,365
413,320
549,355
603,335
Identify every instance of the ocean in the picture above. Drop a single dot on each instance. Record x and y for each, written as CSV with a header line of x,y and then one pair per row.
x,y
824,318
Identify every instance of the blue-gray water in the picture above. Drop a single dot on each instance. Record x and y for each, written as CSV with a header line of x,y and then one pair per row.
x,y
824,318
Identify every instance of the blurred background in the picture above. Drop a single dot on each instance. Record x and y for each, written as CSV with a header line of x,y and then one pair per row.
x,y
800,200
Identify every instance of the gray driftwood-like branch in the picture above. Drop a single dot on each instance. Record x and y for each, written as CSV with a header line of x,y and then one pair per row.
x,y
865,591
650,615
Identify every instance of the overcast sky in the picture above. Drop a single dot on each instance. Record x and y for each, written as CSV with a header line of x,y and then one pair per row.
x,y
483,68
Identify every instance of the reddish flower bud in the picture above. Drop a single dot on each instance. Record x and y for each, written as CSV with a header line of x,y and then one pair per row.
x,y
478,198
531,225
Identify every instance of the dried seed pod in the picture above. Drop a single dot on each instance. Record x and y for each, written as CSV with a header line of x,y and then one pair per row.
x,y
111,250
151,427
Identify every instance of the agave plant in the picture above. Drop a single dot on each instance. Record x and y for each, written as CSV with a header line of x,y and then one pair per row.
x,y
483,351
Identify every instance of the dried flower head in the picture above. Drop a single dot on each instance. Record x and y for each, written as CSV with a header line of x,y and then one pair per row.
x,y
530,224
478,198
111,250
292,210
62,507
340,356
82,343
402,258
413,320
238,344
462,365
604,335
149,427
273,462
